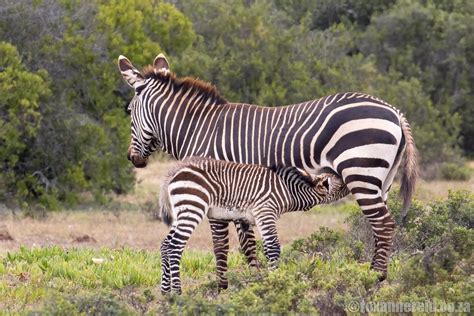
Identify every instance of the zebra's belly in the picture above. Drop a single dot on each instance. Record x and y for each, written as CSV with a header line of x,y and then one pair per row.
x,y
230,214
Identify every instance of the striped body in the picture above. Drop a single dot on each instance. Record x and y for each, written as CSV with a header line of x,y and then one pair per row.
x,y
228,191
358,137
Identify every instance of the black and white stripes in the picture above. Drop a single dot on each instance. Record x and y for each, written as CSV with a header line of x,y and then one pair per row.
x,y
358,137
227,191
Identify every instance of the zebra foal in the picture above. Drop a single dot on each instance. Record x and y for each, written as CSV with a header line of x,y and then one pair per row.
x,y
228,191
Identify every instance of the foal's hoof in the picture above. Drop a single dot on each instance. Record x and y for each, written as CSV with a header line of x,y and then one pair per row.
x,y
382,275
222,288
254,264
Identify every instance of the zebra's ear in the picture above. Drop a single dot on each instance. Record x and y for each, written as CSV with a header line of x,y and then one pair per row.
x,y
129,73
160,64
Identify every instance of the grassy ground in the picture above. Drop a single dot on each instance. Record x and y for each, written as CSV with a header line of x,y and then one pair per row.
x,y
30,277
108,261
136,230
327,272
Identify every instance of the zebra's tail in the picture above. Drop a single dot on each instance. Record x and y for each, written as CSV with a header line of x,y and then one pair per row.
x,y
165,205
410,168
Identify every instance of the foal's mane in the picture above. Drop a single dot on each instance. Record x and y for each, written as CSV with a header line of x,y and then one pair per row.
x,y
204,88
286,172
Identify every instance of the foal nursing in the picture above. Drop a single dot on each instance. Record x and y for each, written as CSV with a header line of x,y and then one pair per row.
x,y
227,191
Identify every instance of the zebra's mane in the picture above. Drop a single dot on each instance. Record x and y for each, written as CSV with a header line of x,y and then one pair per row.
x,y
287,173
202,87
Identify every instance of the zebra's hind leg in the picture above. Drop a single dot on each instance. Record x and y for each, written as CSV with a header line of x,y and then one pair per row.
x,y
383,226
220,239
266,224
186,222
247,241
165,264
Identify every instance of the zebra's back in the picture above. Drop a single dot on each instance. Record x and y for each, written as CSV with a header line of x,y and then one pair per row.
x,y
323,133
229,190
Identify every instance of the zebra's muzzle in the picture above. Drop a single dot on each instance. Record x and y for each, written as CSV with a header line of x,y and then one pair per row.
x,y
139,162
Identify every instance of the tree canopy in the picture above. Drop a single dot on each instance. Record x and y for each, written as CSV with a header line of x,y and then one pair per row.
x,y
64,130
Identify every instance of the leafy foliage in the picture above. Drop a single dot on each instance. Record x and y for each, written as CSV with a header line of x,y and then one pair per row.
x,y
20,118
416,55
83,137
452,171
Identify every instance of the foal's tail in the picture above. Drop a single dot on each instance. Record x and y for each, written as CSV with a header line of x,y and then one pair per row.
x,y
165,205
410,168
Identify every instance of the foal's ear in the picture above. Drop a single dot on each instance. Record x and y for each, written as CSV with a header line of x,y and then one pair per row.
x,y
323,181
129,73
160,64
327,183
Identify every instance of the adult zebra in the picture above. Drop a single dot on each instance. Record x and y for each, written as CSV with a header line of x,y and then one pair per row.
x,y
357,136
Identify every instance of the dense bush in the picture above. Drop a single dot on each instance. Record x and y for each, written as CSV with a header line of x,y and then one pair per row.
x,y
80,143
326,273
454,171
20,119
416,55
95,304
433,261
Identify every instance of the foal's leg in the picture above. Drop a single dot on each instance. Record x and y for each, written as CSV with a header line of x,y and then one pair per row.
x,y
266,224
165,264
220,238
247,241
186,222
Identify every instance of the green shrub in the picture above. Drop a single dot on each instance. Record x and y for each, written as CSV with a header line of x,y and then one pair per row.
x,y
320,243
325,272
91,304
453,171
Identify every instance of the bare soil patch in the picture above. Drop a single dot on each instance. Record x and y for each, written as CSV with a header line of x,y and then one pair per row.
x,y
133,229
84,238
5,235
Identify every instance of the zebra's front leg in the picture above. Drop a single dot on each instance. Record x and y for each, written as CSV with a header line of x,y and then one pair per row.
x,y
247,241
266,224
220,239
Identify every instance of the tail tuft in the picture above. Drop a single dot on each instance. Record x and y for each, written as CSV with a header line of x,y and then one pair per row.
x,y
166,214
410,169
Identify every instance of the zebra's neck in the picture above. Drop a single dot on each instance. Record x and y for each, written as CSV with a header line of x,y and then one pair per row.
x,y
180,110
303,192
304,197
